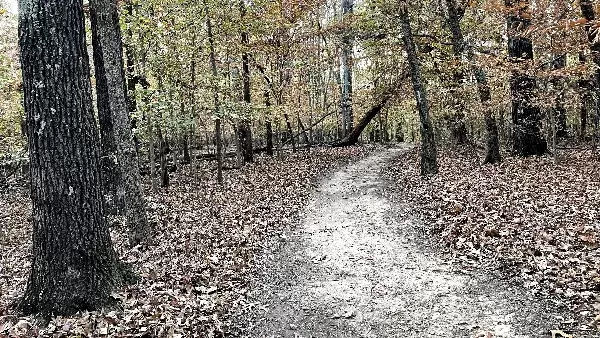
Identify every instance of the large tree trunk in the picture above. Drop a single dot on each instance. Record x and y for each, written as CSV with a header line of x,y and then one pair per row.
x,y
245,128
526,115
346,73
114,101
429,164
74,266
459,45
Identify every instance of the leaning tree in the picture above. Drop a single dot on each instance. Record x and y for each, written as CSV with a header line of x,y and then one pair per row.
x,y
74,264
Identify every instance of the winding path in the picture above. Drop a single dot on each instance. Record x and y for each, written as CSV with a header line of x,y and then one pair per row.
x,y
355,268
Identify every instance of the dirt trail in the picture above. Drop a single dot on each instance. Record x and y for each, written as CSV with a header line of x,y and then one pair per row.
x,y
355,268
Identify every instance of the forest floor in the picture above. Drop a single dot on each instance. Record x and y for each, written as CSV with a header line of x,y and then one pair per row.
x,y
361,265
535,220
195,271
347,243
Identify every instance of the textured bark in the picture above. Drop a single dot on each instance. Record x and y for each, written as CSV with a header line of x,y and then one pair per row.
x,y
526,115
244,127
346,72
459,46
429,164
74,266
109,58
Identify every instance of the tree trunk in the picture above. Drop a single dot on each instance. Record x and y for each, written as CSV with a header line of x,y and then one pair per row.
x,y
185,147
346,73
215,74
587,9
560,112
110,59
108,160
74,266
290,131
429,164
269,136
526,115
353,137
459,46
245,128
456,122
304,132
163,148
152,154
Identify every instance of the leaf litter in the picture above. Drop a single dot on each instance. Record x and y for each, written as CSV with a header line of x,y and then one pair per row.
x,y
532,218
196,271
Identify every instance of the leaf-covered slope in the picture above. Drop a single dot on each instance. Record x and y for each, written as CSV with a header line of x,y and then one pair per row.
x,y
533,215
196,271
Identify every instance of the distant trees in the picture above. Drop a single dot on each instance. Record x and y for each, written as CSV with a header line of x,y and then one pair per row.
x,y
73,264
526,114
460,49
346,62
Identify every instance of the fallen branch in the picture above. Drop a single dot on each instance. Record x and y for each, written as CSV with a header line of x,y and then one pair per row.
x,y
352,138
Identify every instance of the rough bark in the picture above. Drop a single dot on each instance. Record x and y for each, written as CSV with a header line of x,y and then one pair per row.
x,y
346,72
74,266
429,164
109,58
526,115
460,47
